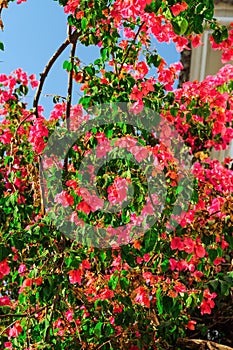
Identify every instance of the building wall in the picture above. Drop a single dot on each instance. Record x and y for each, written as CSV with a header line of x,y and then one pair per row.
x,y
205,61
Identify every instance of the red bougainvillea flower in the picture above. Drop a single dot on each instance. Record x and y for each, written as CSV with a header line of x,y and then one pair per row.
x,y
5,301
178,8
196,41
206,306
176,243
75,276
207,303
200,250
4,268
84,207
191,325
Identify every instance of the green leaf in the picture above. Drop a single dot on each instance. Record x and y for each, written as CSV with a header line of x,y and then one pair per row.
x,y
180,25
108,330
153,6
179,189
124,283
90,70
212,254
220,34
85,101
98,329
23,89
84,22
67,65
224,288
159,301
1,46
104,54
165,265
189,301
214,284
113,282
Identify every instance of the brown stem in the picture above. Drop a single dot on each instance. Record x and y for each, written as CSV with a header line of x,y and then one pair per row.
x,y
70,81
73,38
69,92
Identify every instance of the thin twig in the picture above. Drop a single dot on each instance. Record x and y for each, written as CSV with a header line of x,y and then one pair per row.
x,y
55,300
25,314
41,186
130,46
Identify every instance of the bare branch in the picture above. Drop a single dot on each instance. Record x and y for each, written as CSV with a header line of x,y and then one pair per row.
x,y
70,81
200,344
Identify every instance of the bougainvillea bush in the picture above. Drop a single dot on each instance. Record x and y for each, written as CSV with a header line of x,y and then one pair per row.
x,y
113,236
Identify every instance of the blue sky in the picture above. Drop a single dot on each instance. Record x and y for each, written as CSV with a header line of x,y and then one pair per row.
x,y
33,32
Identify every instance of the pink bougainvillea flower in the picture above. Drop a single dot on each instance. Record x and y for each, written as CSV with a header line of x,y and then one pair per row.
x,y
103,149
15,330
38,281
137,107
37,133
6,136
117,192
69,315
26,283
22,268
64,198
71,6
142,69
33,81
142,296
86,264
106,293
